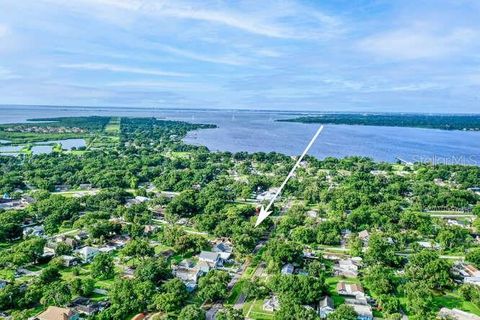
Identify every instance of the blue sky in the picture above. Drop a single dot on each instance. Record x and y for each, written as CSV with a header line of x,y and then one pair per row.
x,y
392,55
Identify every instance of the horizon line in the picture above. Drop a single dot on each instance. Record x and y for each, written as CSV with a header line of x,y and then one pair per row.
x,y
233,109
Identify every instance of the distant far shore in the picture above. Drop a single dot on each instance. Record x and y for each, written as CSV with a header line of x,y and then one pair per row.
x,y
428,121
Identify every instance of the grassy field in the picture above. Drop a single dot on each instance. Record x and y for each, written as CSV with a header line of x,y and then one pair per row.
x,y
454,300
113,127
332,288
254,310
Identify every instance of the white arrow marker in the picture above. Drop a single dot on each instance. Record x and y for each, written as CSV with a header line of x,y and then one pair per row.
x,y
264,213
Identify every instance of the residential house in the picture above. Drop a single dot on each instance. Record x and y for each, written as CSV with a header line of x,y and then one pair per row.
x,y
48,252
72,242
271,304
467,272
189,273
107,249
36,231
57,313
325,307
364,236
350,289
119,241
27,199
62,187
224,249
361,307
347,267
212,258
456,314
149,229
267,195
136,200
86,254
3,283
475,189
203,266
363,312
312,214
87,306
458,223
139,316
308,254
82,235
69,261
288,269
189,276
428,245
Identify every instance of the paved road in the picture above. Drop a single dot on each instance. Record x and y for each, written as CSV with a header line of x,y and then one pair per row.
x,y
441,256
63,233
240,302
452,216
210,314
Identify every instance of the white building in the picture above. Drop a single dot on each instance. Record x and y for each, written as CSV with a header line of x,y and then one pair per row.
x,y
456,314
346,267
271,304
268,195
350,289
288,269
224,249
325,307
86,254
212,258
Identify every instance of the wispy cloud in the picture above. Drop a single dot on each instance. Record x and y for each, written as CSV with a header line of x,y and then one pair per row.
x,y
415,43
269,53
121,68
228,59
6,74
287,20
3,30
149,85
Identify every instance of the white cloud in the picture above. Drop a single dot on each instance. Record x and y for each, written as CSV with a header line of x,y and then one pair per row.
x,y
417,44
6,74
3,30
170,85
230,60
287,20
124,69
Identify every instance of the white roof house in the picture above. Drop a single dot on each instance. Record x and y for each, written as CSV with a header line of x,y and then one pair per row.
x,y
267,195
456,314
87,253
346,267
187,274
288,269
271,304
428,245
364,235
212,258
37,231
363,312
224,249
350,289
325,307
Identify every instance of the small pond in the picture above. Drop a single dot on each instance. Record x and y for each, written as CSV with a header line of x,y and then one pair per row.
x,y
43,147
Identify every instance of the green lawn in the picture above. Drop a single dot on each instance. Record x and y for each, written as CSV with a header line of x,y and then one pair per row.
x,y
256,311
454,300
332,288
113,127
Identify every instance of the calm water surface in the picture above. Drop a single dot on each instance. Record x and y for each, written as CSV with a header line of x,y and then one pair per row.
x,y
257,131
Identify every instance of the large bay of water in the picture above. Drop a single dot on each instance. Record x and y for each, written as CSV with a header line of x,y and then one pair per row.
x,y
257,131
